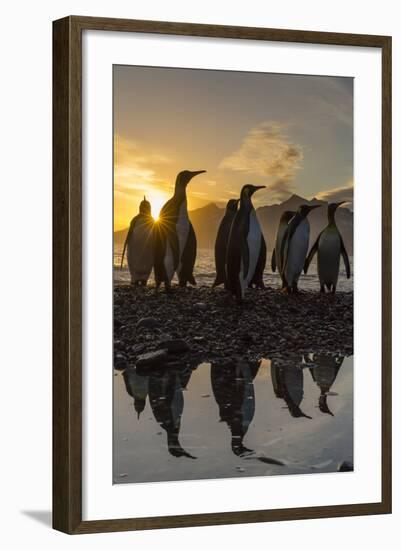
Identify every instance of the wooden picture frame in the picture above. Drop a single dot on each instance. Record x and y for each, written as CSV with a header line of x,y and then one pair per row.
x,y
67,274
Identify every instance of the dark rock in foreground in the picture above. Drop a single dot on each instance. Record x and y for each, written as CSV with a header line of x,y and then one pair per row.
x,y
269,324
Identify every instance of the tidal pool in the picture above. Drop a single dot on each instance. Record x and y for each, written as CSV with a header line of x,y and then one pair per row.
x,y
284,415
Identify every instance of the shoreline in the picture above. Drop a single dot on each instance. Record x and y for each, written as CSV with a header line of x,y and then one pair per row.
x,y
200,324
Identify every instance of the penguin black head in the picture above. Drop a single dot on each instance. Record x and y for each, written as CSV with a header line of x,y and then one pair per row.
x,y
333,206
184,177
304,209
248,190
145,207
232,205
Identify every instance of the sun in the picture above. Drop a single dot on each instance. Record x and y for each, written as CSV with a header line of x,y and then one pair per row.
x,y
157,200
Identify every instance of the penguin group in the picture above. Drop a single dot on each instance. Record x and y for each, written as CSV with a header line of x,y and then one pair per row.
x,y
169,245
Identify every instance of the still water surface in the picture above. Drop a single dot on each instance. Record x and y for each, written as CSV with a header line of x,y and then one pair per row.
x,y
284,415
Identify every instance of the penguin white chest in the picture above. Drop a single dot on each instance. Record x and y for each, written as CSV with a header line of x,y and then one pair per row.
x,y
182,228
254,240
298,249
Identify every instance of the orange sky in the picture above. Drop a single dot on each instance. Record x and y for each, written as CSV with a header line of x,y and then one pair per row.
x,y
290,133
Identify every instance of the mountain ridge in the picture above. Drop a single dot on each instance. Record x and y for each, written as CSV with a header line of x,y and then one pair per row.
x,y
206,220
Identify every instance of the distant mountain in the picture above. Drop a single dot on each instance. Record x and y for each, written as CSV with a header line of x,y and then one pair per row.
x,y
206,222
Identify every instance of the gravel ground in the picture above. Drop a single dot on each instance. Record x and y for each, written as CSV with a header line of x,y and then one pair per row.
x,y
194,325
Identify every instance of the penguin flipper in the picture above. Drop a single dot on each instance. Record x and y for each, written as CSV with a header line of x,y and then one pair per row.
x,y
312,252
188,259
273,261
345,258
260,266
129,232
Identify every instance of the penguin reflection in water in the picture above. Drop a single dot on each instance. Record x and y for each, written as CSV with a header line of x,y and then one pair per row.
x,y
324,370
220,247
288,384
139,245
294,247
246,250
329,246
232,385
167,402
137,387
175,240
163,387
277,261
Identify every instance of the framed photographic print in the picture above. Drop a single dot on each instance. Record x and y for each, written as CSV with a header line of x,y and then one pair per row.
x,y
222,274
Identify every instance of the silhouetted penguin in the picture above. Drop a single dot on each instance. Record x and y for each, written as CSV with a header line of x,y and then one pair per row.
x,y
329,246
245,245
324,374
175,240
288,384
220,247
294,247
139,245
276,261
167,402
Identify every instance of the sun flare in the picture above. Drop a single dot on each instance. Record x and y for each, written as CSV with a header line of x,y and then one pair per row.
x,y
157,201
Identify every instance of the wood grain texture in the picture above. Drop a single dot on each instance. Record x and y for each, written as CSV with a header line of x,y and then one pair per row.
x,y
67,278
67,274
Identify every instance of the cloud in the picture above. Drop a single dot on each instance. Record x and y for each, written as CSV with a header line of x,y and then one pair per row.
x,y
267,152
132,171
337,194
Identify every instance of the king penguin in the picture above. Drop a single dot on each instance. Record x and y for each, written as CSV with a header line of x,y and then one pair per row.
x,y
175,240
220,247
329,246
294,247
276,262
245,245
139,245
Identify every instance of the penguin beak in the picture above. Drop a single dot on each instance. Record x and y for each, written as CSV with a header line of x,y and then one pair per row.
x,y
197,172
256,188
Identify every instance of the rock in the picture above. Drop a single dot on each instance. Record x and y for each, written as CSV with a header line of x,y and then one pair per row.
x,y
175,345
147,322
152,359
345,466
